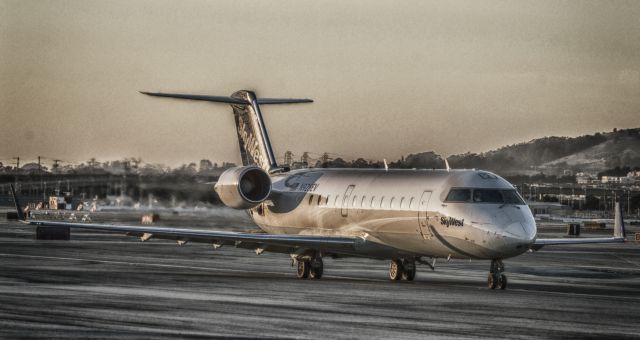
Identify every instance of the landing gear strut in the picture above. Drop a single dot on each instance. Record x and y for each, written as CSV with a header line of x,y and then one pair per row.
x,y
310,268
496,277
402,269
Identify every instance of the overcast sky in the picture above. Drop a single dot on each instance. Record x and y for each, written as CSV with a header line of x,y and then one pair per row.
x,y
388,77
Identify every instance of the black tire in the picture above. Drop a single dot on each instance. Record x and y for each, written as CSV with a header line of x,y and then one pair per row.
x,y
316,269
502,282
395,270
409,270
303,269
491,280
409,275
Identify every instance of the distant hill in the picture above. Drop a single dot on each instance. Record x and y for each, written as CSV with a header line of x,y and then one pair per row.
x,y
551,155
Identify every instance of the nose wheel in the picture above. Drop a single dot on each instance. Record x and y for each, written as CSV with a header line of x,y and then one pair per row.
x,y
496,277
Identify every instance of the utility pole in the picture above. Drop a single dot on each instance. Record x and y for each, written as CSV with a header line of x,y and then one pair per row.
x,y
288,158
55,164
16,172
40,172
324,159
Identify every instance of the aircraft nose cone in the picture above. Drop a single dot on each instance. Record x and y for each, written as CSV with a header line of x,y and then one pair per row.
x,y
524,231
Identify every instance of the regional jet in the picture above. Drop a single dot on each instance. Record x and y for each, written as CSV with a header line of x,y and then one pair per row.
x,y
399,215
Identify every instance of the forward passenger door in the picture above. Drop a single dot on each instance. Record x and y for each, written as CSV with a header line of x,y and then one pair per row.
x,y
423,215
345,201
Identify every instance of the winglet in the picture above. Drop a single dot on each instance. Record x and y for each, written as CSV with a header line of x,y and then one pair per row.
x,y
446,162
618,227
17,203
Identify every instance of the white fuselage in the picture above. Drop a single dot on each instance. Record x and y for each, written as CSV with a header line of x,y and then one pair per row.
x,y
407,210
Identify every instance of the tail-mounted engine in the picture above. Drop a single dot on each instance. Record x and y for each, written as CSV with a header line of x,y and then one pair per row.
x,y
243,187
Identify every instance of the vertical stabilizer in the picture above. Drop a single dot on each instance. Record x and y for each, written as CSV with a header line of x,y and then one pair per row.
x,y
19,210
255,146
618,227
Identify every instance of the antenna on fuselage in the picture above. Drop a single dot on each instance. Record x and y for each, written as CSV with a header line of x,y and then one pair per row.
x,y
446,163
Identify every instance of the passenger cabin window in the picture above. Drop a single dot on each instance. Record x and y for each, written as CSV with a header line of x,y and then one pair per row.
x,y
372,199
402,203
411,203
353,203
310,199
335,202
391,202
319,199
362,202
326,201
381,201
459,195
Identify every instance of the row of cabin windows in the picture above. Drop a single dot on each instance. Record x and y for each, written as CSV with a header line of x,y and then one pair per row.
x,y
363,201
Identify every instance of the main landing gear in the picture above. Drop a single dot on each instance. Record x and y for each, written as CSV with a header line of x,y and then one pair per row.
x,y
402,269
309,268
496,277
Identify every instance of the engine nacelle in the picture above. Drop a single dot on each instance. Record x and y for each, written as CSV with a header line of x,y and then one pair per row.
x,y
243,187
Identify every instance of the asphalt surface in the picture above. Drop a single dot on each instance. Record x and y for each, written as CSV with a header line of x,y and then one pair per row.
x,y
112,286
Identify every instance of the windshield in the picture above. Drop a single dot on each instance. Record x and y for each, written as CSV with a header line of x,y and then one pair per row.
x,y
459,195
495,196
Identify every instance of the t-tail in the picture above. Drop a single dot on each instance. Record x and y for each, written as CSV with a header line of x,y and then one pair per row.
x,y
618,223
16,201
255,146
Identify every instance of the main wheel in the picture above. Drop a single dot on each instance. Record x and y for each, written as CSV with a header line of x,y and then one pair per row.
x,y
502,282
491,280
409,275
303,269
316,269
409,270
395,270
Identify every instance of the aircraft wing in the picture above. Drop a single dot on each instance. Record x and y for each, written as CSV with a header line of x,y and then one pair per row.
x,y
558,241
283,243
271,242
619,235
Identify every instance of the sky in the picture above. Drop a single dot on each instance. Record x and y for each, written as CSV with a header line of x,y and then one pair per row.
x,y
388,78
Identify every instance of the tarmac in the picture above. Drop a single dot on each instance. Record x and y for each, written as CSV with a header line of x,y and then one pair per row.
x,y
113,286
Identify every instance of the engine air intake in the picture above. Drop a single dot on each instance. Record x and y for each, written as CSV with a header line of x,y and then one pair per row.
x,y
243,187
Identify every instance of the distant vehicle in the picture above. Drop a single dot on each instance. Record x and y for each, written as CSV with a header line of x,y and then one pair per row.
x,y
403,216
60,202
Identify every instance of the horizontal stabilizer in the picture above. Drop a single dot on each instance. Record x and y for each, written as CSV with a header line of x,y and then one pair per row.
x,y
229,100
282,101
217,99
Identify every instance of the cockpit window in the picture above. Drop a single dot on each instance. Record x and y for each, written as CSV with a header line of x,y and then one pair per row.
x,y
459,195
495,196
512,197
487,196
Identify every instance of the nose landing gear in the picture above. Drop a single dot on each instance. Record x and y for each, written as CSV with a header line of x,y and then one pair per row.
x,y
496,277
402,269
